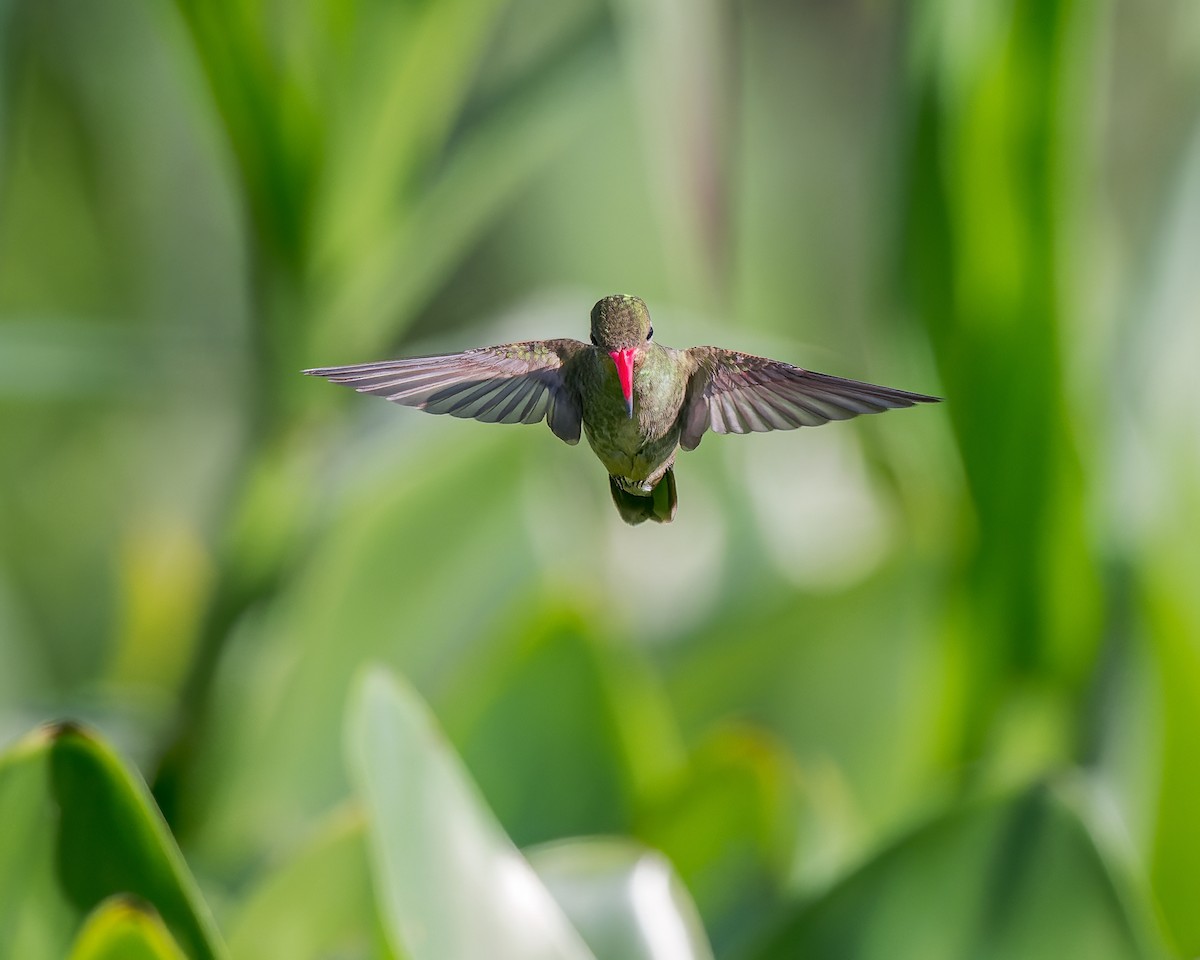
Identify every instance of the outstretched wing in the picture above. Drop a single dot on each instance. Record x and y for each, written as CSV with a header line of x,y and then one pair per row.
x,y
732,392
510,383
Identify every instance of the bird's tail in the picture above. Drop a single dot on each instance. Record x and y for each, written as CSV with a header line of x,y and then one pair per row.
x,y
658,505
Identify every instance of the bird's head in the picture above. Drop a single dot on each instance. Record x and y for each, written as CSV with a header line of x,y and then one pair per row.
x,y
621,328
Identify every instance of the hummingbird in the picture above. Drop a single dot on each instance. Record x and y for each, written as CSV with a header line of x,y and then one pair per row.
x,y
638,402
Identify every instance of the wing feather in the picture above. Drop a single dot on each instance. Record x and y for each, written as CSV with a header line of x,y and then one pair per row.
x,y
770,412
715,418
510,383
731,392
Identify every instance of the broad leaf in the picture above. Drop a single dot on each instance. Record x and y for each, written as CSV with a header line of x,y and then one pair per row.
x,y
123,929
35,919
317,904
1019,879
79,829
449,882
610,737
623,898
732,827
112,840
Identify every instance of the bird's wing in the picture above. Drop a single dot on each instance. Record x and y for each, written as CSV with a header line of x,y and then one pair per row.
x,y
732,392
510,383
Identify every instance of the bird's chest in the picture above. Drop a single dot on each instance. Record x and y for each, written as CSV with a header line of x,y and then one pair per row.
x,y
636,446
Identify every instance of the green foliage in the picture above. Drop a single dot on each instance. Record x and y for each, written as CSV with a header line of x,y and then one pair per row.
x,y
330,870
924,684
988,201
91,826
423,871
111,841
624,900
553,666
122,929
731,824
435,845
1013,878
426,871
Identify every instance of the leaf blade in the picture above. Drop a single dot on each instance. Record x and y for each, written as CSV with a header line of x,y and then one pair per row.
x,y
123,929
112,840
625,899
1020,878
450,883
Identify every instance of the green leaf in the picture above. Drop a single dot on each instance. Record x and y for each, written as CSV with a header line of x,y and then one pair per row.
x,y
317,904
390,272
624,899
112,840
407,89
1161,474
79,829
279,745
123,929
731,825
1019,879
1175,844
448,881
989,206
35,919
551,663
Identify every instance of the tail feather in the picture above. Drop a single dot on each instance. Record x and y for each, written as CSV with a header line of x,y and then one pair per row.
x,y
659,505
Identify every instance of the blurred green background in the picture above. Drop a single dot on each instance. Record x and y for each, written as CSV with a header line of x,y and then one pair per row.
x,y
851,641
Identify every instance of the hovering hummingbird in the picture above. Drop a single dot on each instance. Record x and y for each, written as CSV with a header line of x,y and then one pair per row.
x,y
638,401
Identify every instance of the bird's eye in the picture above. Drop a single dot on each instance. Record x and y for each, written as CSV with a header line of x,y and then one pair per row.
x,y
594,343
650,334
